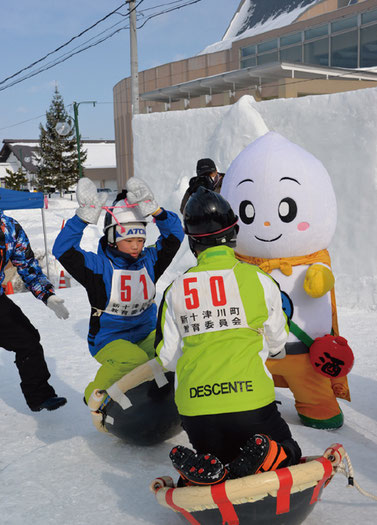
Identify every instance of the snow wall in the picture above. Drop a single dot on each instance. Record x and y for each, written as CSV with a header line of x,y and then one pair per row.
x,y
340,129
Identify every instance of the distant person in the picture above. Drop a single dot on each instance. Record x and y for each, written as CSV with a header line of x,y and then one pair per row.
x,y
214,320
17,334
206,176
120,278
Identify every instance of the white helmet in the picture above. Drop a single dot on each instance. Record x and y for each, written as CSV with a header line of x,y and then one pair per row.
x,y
120,213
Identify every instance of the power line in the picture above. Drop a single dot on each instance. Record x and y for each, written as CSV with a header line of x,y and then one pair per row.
x,y
40,116
23,122
179,4
63,45
140,13
67,55
168,11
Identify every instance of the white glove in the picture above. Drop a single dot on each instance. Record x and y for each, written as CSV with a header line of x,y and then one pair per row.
x,y
89,200
139,193
56,304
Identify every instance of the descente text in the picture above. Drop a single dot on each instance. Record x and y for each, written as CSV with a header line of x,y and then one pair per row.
x,y
221,388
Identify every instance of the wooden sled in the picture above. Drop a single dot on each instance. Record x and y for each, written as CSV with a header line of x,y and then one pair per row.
x,y
286,496
147,415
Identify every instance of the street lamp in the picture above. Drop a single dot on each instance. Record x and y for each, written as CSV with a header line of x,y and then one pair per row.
x,y
76,122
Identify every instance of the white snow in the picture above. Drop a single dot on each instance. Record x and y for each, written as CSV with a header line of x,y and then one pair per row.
x,y
339,129
100,155
55,467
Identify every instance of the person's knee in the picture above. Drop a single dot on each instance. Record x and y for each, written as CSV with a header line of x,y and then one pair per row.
x,y
124,355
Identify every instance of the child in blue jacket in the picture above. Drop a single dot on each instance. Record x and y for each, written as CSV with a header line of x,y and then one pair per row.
x,y
120,278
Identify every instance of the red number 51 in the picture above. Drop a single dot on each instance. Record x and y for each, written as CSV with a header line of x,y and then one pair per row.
x,y
125,289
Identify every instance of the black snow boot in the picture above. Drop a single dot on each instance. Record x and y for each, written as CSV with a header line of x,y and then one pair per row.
x,y
52,403
198,469
259,454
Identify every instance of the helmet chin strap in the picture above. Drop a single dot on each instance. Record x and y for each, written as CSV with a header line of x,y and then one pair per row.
x,y
109,208
122,228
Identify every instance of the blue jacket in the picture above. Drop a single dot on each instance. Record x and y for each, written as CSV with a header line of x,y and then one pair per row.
x,y
120,289
15,247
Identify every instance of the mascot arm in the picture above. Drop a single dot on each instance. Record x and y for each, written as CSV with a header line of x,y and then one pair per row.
x,y
319,280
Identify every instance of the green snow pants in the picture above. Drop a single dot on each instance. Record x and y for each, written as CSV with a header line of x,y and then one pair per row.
x,y
117,359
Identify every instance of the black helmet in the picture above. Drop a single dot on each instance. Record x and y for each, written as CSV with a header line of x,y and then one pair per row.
x,y
209,220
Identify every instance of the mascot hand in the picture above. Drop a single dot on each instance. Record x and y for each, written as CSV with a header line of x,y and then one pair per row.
x,y
318,280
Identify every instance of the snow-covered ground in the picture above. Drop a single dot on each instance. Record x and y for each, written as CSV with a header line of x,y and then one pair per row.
x,y
55,467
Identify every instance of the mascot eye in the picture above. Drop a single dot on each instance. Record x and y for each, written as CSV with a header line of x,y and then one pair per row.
x,y
287,210
247,212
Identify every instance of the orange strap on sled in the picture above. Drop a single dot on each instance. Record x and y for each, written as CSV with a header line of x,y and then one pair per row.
x,y
283,496
185,513
327,467
226,508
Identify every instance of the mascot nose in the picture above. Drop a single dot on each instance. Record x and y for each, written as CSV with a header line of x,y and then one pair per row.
x,y
266,223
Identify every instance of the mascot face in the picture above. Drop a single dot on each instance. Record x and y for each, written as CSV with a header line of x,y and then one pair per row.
x,y
284,199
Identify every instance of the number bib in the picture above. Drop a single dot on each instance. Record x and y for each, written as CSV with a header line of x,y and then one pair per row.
x,y
208,302
131,292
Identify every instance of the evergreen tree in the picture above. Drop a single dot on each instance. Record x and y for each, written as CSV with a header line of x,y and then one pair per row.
x,y
16,180
58,158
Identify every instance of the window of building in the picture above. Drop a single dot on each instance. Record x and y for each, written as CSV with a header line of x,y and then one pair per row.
x,y
344,23
267,46
267,58
369,16
315,32
248,51
335,44
248,62
291,54
288,40
368,46
344,50
317,52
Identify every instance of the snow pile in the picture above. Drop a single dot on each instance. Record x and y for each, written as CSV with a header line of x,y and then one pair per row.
x,y
339,129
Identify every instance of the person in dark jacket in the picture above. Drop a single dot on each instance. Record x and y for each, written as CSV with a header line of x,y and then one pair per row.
x,y
206,176
120,278
17,334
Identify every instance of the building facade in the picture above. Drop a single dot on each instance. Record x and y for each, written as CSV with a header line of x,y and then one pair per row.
x,y
330,47
100,165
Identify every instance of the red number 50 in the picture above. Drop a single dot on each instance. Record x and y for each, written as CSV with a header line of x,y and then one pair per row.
x,y
217,288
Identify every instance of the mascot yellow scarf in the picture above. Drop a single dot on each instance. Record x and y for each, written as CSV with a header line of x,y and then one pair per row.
x,y
284,264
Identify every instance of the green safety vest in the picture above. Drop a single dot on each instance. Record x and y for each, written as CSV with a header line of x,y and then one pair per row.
x,y
210,331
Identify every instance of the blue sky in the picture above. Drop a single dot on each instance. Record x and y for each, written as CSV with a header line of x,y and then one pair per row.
x,y
30,30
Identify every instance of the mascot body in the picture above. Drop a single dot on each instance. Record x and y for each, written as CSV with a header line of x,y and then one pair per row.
x,y
287,208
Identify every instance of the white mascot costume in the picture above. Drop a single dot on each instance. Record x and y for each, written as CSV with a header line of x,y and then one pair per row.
x,y
287,216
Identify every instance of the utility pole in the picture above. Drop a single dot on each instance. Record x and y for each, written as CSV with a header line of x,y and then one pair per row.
x,y
76,123
133,55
